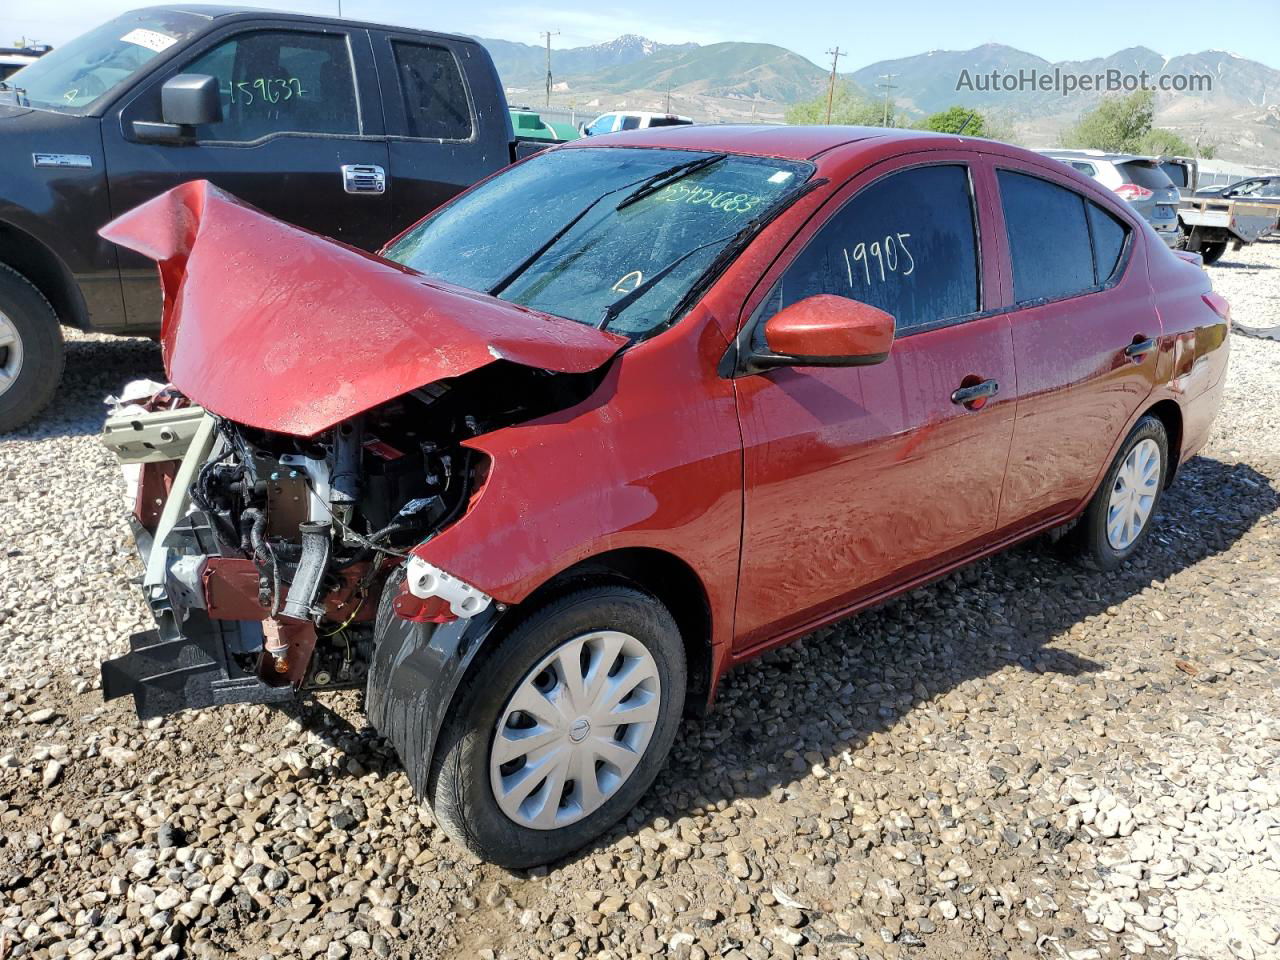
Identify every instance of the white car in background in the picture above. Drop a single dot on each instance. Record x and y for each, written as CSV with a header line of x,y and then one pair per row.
x,y
635,120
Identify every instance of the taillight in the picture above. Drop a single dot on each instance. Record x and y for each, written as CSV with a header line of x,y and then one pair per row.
x,y
1131,191
1218,304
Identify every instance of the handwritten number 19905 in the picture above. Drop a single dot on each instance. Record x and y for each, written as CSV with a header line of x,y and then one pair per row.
x,y
890,257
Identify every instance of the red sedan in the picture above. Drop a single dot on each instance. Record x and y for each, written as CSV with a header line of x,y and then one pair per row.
x,y
623,416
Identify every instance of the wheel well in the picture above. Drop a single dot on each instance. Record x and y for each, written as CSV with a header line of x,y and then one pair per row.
x,y
40,265
1170,414
669,579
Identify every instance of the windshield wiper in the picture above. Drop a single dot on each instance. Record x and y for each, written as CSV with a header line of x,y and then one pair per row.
x,y
612,311
669,176
551,241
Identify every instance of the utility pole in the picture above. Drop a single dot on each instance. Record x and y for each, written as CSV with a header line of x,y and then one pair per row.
x,y
836,54
548,35
668,96
886,81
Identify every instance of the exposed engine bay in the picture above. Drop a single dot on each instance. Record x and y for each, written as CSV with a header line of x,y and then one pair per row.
x,y
267,553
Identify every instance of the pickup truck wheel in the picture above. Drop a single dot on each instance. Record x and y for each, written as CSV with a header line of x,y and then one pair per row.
x,y
31,350
561,727
1118,518
1212,252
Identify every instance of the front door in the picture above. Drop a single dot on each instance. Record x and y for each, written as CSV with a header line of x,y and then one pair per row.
x,y
860,479
298,105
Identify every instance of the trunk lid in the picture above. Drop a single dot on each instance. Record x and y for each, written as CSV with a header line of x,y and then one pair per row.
x,y
278,328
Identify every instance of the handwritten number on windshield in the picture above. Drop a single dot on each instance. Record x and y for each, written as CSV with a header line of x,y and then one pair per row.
x,y
268,90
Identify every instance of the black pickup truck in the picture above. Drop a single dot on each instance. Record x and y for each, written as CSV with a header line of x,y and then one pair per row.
x,y
349,129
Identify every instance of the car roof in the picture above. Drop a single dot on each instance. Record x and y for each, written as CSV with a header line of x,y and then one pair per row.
x,y
217,12
783,142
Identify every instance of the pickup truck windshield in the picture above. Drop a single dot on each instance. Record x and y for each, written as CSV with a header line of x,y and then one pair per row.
x,y
72,78
619,237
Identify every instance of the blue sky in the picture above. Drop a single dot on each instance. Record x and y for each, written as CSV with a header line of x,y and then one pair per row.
x,y
868,31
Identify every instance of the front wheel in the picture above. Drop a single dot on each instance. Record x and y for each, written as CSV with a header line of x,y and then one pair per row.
x,y
560,728
1118,517
31,350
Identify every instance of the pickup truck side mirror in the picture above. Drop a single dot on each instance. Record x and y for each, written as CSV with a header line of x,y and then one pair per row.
x,y
824,331
186,101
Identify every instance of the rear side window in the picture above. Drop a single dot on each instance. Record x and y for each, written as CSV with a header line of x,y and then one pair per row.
x,y
1175,172
1144,175
1108,241
278,81
1048,238
668,122
630,123
435,98
906,244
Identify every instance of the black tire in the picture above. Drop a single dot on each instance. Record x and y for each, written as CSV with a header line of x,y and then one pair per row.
x,y
1212,252
43,354
1088,539
459,789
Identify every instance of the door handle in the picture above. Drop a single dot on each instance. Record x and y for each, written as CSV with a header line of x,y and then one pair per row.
x,y
1140,347
364,178
976,396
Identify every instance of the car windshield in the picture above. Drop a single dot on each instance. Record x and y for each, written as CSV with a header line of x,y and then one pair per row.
x,y
574,231
72,78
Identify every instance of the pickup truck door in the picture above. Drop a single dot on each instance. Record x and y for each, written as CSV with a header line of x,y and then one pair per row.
x,y
300,108
447,120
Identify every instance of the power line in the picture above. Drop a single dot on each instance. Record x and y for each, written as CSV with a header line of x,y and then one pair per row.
x,y
836,54
886,81
547,34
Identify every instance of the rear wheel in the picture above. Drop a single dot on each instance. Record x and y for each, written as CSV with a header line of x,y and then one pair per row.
x,y
1212,252
561,727
31,350
1118,518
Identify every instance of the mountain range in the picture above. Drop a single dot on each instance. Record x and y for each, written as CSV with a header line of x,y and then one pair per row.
x,y
727,81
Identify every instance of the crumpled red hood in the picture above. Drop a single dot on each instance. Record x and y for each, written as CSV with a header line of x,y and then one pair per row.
x,y
275,327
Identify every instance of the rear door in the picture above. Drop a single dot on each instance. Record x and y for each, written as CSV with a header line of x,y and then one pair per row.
x,y
858,479
447,121
1085,334
299,104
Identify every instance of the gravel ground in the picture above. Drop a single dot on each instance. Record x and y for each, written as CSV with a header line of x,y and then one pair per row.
x,y
1025,760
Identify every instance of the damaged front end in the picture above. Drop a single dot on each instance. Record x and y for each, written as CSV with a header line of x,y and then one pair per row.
x,y
291,466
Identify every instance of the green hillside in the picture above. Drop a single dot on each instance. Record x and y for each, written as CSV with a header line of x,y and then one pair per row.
x,y
746,70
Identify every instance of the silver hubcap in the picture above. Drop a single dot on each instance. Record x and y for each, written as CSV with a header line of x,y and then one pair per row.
x,y
10,353
1134,494
575,729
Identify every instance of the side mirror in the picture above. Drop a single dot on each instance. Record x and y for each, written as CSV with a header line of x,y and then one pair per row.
x,y
824,331
186,101
584,129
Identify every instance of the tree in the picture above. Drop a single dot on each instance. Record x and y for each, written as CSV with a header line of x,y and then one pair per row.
x,y
847,107
1166,143
1117,125
957,120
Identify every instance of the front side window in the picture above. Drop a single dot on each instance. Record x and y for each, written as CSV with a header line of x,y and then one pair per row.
x,y
74,77
611,237
435,98
906,244
1048,238
280,81
602,125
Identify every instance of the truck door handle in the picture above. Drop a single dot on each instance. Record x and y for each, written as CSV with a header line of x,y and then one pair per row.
x,y
1140,347
976,396
364,178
